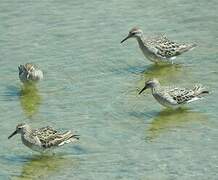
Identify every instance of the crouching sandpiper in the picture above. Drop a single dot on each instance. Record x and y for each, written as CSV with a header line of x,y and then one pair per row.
x,y
174,97
43,139
158,49
29,73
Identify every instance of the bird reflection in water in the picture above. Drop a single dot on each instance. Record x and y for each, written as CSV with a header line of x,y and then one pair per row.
x,y
30,99
170,119
165,73
43,167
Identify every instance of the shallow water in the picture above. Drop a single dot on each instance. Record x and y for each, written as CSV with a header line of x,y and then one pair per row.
x,y
91,85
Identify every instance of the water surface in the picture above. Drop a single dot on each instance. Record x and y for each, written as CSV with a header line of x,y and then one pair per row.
x,y
91,86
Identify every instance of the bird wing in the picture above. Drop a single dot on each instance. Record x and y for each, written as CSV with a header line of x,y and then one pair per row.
x,y
49,137
182,95
165,48
46,135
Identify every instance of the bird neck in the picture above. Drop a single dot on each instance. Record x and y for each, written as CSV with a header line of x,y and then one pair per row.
x,y
155,88
26,130
141,44
140,39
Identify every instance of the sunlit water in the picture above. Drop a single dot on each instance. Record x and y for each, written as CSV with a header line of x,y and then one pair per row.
x,y
91,86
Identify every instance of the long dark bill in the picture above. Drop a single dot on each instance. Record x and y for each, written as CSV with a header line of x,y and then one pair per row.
x,y
144,88
15,132
125,38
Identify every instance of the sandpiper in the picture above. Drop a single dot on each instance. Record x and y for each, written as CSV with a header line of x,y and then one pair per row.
x,y
43,139
158,49
174,96
29,73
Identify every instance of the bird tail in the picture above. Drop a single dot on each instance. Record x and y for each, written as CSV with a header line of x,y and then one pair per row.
x,y
187,47
199,90
69,137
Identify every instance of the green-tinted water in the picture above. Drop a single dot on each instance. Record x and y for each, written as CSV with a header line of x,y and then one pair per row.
x,y
91,85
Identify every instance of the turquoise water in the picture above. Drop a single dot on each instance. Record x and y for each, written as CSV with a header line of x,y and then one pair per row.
x,y
91,86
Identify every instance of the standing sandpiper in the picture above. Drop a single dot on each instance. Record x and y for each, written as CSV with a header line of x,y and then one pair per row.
x,y
43,139
29,73
158,49
174,96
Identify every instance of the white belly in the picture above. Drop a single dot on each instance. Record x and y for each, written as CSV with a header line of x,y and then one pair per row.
x,y
34,146
151,55
165,102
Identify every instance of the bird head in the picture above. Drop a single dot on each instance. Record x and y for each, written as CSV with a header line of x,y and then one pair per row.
x,y
20,128
133,33
150,84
